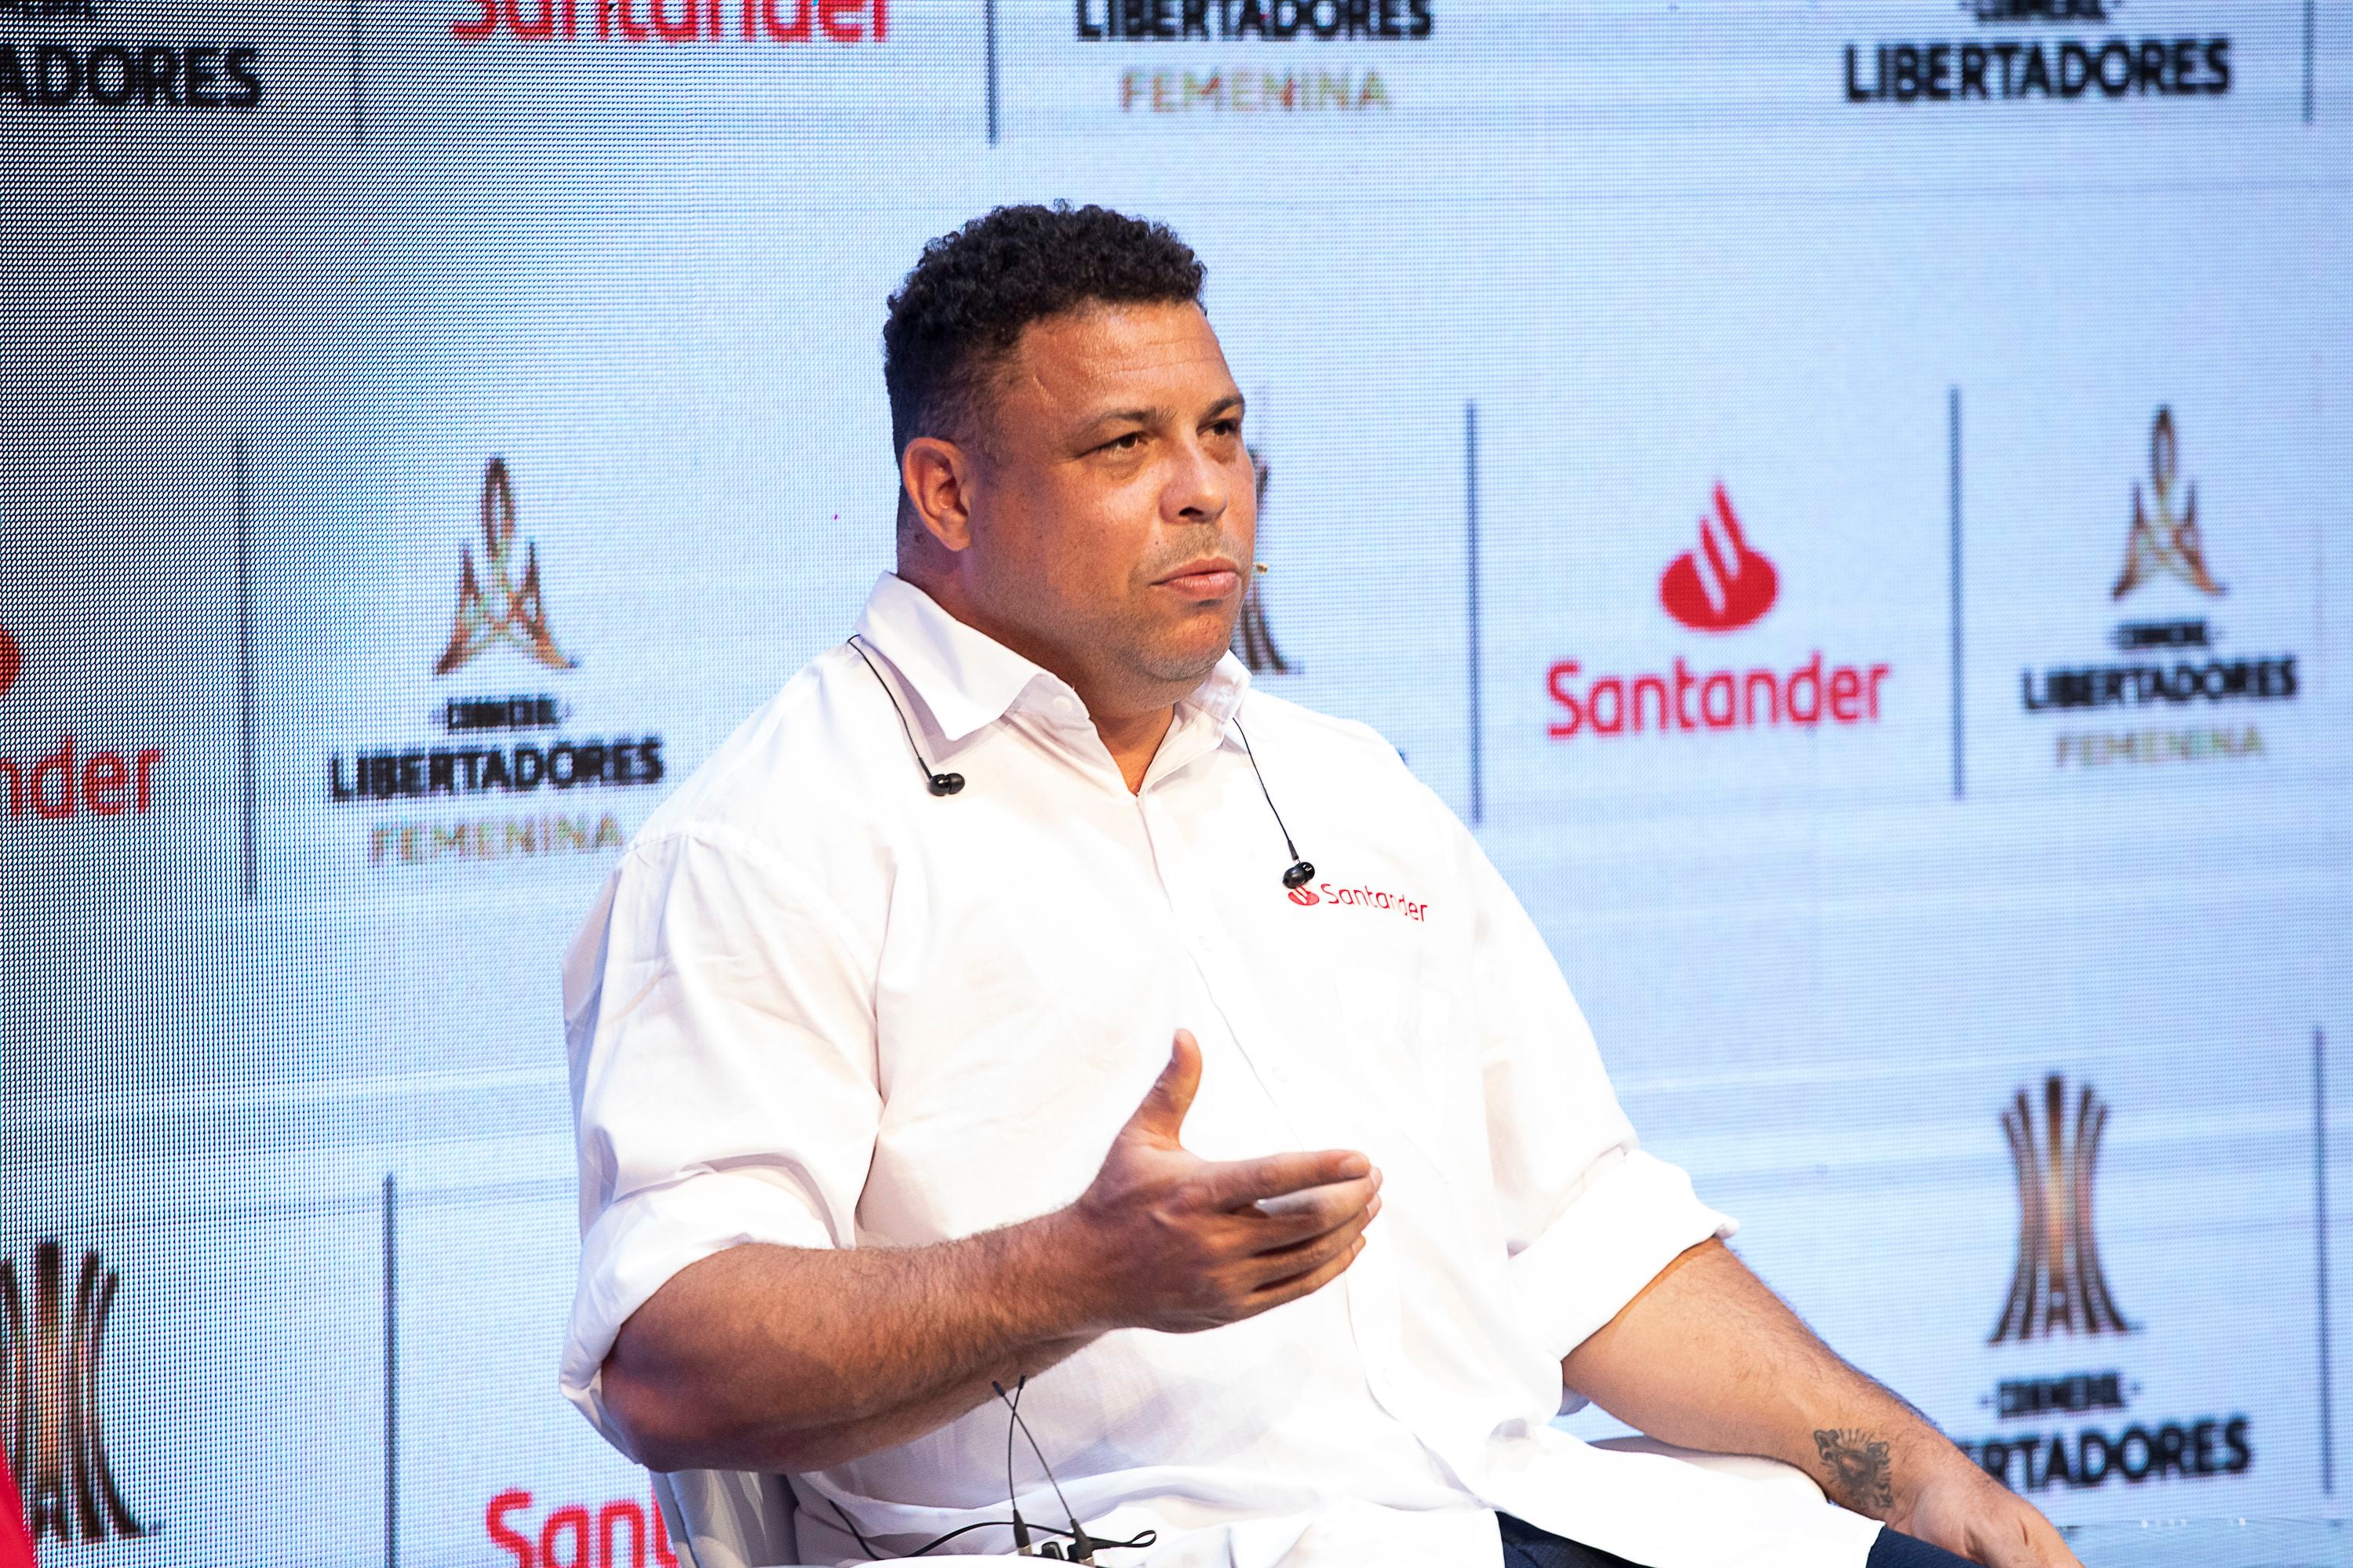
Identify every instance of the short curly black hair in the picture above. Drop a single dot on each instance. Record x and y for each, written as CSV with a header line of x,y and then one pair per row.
x,y
960,310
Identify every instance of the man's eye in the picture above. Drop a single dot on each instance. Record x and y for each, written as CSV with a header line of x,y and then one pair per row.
x,y
1127,443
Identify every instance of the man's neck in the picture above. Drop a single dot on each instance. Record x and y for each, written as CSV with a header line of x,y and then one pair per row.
x,y
1135,741
1132,738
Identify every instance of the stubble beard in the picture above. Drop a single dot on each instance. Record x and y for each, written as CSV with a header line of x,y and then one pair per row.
x,y
1150,657
1157,663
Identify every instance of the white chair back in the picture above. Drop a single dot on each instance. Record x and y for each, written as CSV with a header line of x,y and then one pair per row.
x,y
728,1519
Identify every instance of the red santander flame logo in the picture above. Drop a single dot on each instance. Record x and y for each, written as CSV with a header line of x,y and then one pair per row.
x,y
1302,897
1724,584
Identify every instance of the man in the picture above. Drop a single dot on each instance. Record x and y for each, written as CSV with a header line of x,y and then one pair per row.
x,y
973,1018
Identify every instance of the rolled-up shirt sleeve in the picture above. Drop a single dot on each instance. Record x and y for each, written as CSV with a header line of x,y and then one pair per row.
x,y
1588,1216
719,1024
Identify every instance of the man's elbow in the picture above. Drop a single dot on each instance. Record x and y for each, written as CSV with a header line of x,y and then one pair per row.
x,y
666,1425
655,1422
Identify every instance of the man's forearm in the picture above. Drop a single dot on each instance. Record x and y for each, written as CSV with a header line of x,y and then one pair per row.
x,y
781,1359
775,1358
1707,1357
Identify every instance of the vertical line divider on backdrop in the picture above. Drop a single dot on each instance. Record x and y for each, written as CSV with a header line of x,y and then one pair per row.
x,y
391,1373
1953,502
1470,606
2320,1256
989,50
2310,6
249,861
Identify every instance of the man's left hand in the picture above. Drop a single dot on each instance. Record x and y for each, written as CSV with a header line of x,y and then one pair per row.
x,y
1958,1507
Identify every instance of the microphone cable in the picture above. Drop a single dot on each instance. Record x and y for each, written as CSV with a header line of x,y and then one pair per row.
x,y
1298,874
1082,1547
1136,1542
1301,870
1012,1497
938,782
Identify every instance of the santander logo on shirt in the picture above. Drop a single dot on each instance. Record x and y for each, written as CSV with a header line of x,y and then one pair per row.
x,y
1361,897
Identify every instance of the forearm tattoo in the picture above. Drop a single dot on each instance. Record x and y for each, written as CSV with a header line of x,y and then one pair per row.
x,y
1857,1465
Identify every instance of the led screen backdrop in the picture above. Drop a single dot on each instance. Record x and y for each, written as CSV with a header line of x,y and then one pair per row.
x,y
1851,501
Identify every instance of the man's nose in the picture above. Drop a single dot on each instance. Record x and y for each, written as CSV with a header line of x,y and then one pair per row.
x,y
1199,489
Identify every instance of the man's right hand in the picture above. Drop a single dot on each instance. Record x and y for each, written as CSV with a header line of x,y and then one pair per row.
x,y
1163,1239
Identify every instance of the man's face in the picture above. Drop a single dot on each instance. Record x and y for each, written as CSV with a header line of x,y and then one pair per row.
x,y
1114,511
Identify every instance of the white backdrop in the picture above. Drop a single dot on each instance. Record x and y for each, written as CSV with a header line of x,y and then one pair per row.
x,y
1524,289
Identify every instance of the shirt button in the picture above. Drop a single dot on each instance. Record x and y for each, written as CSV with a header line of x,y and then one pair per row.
x,y
1064,705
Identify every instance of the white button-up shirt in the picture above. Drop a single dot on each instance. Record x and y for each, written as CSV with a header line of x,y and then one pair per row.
x,y
817,1006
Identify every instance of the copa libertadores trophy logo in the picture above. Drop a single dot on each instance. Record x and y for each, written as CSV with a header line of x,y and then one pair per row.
x,y
2057,1421
1253,643
511,610
50,1423
2059,1286
2160,541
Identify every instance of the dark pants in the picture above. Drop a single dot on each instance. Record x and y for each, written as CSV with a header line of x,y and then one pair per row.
x,y
1525,1546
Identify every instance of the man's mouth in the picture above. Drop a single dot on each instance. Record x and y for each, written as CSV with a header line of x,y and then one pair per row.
x,y
1210,579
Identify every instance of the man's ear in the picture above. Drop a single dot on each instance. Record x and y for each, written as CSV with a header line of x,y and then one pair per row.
x,y
937,476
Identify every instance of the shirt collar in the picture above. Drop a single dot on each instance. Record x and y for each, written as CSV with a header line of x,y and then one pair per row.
x,y
969,680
